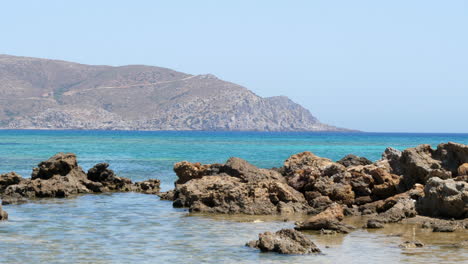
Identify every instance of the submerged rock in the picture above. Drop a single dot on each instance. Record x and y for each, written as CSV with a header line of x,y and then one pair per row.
x,y
411,244
3,214
285,241
60,176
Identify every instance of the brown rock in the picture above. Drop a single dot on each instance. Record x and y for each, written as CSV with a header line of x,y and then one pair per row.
x,y
328,220
285,241
8,179
463,169
239,187
60,176
444,198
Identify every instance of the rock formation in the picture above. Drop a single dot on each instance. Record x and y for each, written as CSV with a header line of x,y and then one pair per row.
x,y
285,241
60,176
235,187
400,185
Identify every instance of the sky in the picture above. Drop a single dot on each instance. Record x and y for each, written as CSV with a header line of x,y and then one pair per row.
x,y
380,66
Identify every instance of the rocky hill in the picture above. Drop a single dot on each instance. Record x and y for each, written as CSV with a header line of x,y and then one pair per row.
x,y
49,94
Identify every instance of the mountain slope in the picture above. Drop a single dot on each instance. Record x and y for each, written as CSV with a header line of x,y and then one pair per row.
x,y
50,94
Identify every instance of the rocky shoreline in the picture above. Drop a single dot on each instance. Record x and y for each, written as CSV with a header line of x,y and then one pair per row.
x,y
401,185
421,185
61,177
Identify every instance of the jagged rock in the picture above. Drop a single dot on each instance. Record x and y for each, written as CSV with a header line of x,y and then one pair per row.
x,y
353,160
151,186
361,183
61,164
404,208
186,171
393,156
463,169
330,219
285,241
445,198
302,169
239,187
452,155
3,214
60,176
385,183
419,165
8,179
411,244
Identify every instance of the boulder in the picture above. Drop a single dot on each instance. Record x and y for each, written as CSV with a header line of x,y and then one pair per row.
x,y
403,208
61,164
285,241
393,156
463,169
186,171
60,176
419,164
238,187
330,219
302,169
8,179
452,155
385,183
353,160
444,198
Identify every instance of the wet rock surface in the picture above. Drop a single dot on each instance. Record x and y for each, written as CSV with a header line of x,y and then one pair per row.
x,y
60,176
285,241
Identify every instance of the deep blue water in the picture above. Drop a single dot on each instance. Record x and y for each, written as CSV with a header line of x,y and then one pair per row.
x,y
120,228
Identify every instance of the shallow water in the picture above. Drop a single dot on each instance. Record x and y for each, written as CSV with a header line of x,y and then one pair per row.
x,y
130,227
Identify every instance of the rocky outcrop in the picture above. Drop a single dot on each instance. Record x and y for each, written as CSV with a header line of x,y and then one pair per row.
x,y
445,198
285,241
237,187
60,176
394,188
234,187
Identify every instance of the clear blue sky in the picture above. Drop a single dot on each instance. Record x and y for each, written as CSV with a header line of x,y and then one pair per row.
x,y
369,65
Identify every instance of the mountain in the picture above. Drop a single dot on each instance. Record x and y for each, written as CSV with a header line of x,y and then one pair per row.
x,y
50,94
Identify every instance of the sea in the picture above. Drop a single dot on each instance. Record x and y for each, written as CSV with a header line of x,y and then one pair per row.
x,y
140,228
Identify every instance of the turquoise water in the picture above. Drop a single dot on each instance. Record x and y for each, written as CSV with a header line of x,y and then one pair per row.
x,y
129,227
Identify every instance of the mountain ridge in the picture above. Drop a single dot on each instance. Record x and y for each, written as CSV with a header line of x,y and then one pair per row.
x,y
40,93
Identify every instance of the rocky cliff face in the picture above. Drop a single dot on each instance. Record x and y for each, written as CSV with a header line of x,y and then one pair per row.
x,y
49,94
